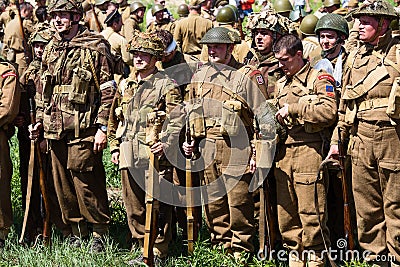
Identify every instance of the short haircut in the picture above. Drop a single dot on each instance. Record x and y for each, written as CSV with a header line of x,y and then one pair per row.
x,y
290,42
41,13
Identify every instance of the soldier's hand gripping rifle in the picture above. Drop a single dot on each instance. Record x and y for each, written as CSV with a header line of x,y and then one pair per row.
x,y
348,228
35,151
155,121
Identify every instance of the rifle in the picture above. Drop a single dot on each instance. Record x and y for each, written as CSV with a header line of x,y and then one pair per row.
x,y
21,27
267,232
191,225
348,228
96,19
240,27
42,181
152,204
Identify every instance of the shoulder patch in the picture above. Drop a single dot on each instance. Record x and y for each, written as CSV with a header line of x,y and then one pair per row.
x,y
7,74
255,72
326,76
260,79
330,91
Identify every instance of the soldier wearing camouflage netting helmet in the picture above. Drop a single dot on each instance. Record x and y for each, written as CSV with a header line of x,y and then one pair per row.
x,y
78,88
229,209
132,24
146,91
265,28
369,111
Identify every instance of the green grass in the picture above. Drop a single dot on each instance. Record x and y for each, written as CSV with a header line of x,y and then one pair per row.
x,y
118,252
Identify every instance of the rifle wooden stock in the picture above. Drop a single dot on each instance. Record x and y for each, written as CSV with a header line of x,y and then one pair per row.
x,y
21,28
191,222
266,223
240,28
348,228
96,19
152,210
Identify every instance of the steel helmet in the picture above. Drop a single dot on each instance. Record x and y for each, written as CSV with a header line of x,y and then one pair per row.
x,y
226,15
332,22
307,25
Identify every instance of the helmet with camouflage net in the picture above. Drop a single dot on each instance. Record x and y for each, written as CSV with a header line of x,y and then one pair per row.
x,y
379,8
225,15
332,22
307,25
39,37
146,42
267,19
329,3
73,6
281,6
183,10
220,35
135,6
157,8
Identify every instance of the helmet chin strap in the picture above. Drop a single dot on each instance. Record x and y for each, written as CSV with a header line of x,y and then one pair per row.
x,y
325,53
380,24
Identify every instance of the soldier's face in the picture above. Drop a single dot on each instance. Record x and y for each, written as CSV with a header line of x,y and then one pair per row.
x,y
263,40
290,64
62,21
159,15
140,13
143,61
327,39
219,53
368,29
38,49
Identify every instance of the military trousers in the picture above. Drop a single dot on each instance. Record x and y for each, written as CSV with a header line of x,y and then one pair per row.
x,y
134,197
6,216
375,153
229,205
296,184
80,183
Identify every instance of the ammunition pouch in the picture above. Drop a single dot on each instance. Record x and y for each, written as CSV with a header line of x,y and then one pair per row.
x,y
196,121
265,152
393,109
154,126
80,85
230,119
47,86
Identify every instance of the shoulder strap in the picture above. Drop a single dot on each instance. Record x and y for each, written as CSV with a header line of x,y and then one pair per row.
x,y
90,60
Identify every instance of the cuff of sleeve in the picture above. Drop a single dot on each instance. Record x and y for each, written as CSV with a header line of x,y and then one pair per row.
x,y
294,109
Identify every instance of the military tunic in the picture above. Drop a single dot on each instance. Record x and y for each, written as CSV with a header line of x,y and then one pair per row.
x,y
375,143
162,25
230,209
77,95
189,31
127,134
9,103
129,27
295,178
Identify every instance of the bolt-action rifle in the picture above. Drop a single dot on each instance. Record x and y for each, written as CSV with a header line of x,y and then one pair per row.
x,y
35,151
152,228
348,228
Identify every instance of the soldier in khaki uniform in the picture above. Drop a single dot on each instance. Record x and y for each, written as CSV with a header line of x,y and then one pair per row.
x,y
118,44
31,82
307,106
131,24
227,152
160,22
9,103
307,34
369,111
78,89
190,30
14,48
265,28
206,11
99,11
332,32
145,91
